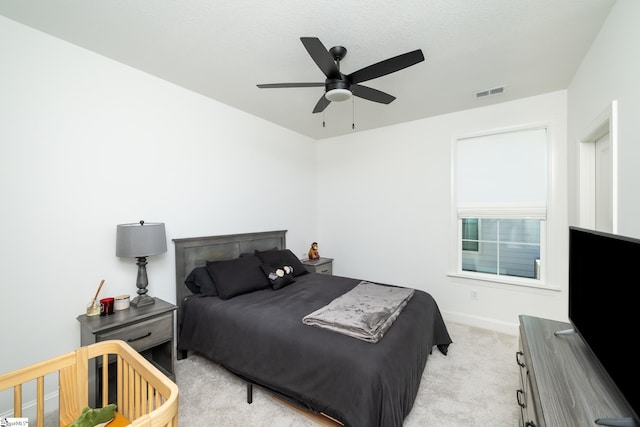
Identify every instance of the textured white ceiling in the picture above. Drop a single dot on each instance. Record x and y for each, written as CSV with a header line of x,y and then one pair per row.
x,y
222,49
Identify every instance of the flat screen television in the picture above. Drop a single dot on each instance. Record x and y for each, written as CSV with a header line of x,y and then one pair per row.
x,y
603,279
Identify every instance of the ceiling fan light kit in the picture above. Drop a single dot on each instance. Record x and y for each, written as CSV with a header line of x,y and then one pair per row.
x,y
338,95
341,87
337,90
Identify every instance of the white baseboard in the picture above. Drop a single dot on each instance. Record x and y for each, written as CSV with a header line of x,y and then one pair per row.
x,y
29,408
482,322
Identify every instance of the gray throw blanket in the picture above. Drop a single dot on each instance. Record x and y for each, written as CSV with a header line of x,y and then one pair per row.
x,y
366,312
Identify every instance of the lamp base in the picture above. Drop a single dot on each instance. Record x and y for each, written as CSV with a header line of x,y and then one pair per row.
x,y
142,300
141,283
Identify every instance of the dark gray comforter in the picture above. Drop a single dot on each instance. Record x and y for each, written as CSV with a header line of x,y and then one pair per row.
x,y
260,336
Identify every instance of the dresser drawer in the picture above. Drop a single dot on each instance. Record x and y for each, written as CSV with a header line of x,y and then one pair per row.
x,y
144,334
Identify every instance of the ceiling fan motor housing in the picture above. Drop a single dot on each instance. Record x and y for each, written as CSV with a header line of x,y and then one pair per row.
x,y
331,84
337,90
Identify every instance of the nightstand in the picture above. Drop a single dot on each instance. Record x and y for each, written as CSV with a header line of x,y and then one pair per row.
x,y
320,265
148,329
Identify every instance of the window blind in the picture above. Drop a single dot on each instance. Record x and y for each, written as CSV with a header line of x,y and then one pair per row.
x,y
502,175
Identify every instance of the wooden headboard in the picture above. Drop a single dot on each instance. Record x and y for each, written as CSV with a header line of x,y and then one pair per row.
x,y
196,251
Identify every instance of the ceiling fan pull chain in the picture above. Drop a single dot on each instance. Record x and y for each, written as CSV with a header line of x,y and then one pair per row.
x,y
323,118
353,113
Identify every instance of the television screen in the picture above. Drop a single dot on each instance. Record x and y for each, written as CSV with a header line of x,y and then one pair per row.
x,y
603,275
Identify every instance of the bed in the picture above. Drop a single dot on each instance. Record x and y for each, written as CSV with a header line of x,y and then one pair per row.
x,y
144,395
259,335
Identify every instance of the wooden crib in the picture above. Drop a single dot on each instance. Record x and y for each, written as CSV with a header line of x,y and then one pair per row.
x,y
144,395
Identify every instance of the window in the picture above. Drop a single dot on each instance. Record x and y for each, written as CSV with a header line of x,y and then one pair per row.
x,y
508,247
501,203
470,237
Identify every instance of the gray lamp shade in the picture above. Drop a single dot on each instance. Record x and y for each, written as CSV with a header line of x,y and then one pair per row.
x,y
140,239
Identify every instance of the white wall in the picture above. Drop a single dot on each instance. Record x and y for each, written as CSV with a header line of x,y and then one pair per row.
x,y
87,143
385,210
610,71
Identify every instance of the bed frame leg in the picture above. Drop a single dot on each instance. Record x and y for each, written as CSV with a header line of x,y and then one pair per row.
x,y
249,393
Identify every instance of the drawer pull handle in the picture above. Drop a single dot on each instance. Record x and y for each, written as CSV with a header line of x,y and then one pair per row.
x,y
139,338
520,393
518,354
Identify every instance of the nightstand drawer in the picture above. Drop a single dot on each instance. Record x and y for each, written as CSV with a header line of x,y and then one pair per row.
x,y
324,269
142,335
320,265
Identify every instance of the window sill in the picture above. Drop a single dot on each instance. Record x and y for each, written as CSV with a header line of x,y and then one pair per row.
x,y
506,280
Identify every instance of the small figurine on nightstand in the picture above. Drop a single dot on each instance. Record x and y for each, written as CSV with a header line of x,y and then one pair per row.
x,y
313,251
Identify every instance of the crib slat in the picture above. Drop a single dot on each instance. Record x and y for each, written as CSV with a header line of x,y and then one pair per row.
x,y
132,393
17,401
40,402
105,380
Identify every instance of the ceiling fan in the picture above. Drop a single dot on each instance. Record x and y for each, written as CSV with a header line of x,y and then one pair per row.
x,y
340,87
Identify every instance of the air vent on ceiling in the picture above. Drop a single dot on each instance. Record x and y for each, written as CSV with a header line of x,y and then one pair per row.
x,y
489,92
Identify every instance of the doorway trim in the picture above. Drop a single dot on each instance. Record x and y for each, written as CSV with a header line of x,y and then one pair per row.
x,y
606,122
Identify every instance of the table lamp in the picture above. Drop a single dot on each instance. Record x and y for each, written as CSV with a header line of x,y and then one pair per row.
x,y
140,240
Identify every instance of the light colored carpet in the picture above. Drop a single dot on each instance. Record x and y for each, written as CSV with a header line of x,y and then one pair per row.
x,y
474,385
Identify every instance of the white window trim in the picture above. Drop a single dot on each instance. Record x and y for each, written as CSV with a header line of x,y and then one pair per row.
x,y
455,263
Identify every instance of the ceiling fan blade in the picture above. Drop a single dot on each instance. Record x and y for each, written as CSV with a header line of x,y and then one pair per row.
x,y
371,94
387,66
277,85
321,56
321,105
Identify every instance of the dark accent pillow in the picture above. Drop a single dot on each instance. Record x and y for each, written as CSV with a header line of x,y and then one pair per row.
x,y
283,257
279,277
237,276
199,282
